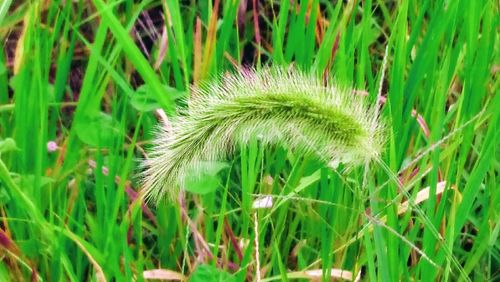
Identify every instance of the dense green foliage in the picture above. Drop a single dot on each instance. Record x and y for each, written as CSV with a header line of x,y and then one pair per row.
x,y
84,84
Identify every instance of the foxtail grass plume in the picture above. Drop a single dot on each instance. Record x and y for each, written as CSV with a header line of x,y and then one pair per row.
x,y
279,107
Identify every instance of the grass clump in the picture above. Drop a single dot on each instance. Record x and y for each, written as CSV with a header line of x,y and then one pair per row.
x,y
84,85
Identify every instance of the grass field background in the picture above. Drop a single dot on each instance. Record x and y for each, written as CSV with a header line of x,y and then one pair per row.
x,y
83,84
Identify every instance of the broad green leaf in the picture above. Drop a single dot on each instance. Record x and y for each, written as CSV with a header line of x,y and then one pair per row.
x,y
98,129
204,179
29,180
209,273
7,145
144,100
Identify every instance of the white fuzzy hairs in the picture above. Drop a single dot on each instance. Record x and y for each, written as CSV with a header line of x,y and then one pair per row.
x,y
278,106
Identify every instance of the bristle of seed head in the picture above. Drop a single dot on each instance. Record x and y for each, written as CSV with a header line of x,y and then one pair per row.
x,y
285,107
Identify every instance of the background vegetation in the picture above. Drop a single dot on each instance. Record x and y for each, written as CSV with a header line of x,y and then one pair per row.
x,y
81,88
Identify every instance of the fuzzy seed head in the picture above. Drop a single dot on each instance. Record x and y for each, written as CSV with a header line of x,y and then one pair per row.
x,y
279,107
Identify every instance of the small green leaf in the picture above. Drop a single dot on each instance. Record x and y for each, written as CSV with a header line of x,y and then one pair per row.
x,y
97,130
209,273
7,145
29,181
204,179
143,99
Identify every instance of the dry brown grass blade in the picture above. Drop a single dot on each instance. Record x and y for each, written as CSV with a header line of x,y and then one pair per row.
x,y
197,51
423,195
317,275
210,42
255,16
163,274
